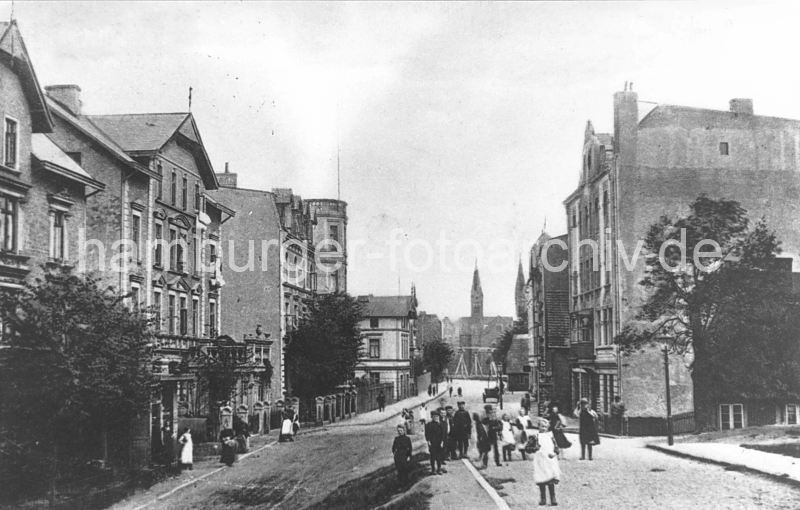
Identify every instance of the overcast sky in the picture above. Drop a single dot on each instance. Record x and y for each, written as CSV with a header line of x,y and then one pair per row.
x,y
461,120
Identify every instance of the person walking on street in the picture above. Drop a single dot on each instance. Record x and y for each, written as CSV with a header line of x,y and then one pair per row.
x,y
493,429
546,472
401,450
186,448
525,403
226,437
484,446
381,401
557,427
617,415
450,390
507,438
434,436
459,392
462,427
587,428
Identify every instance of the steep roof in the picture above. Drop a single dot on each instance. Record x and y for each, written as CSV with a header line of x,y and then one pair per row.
x,y
54,159
14,54
387,306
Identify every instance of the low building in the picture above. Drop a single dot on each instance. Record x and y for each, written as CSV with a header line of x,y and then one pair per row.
x,y
388,331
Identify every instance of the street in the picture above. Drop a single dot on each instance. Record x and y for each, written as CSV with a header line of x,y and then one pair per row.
x,y
624,474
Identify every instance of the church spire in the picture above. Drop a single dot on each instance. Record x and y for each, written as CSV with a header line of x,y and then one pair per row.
x,y
519,293
476,297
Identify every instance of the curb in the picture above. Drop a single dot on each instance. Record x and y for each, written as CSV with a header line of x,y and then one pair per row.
x,y
573,430
382,420
498,501
739,467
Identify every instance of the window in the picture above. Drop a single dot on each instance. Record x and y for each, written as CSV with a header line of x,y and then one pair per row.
x,y
731,416
374,347
159,261
135,296
792,411
157,309
184,317
76,157
212,319
723,148
58,235
212,259
160,181
136,234
184,193
374,322
8,223
333,232
197,196
374,378
174,187
171,314
195,315
10,153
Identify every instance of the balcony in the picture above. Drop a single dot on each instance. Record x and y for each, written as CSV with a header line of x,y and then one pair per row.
x,y
582,351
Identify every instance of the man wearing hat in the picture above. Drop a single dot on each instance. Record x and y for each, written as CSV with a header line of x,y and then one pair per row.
x,y
450,438
493,428
434,435
462,429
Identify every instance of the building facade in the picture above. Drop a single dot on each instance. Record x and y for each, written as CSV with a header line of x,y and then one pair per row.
x,y
655,166
388,331
329,238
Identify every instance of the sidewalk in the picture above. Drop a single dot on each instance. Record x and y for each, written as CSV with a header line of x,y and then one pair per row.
x,y
391,411
780,466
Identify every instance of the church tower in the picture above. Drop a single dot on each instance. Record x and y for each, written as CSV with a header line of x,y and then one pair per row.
x,y
519,294
477,296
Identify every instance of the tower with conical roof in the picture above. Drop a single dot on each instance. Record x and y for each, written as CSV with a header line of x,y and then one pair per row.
x,y
476,296
519,293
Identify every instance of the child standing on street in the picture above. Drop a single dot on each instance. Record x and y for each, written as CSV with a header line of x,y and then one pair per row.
x,y
401,449
546,472
507,438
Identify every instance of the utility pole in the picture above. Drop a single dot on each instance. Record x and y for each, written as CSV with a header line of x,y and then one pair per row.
x,y
500,383
670,440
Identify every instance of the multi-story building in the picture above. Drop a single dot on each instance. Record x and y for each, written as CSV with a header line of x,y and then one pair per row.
x,y
652,167
42,190
330,243
548,323
429,329
387,328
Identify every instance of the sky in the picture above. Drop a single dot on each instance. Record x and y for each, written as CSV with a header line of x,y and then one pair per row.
x,y
458,126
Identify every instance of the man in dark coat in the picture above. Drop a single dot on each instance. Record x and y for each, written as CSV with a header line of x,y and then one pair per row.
x,y
450,439
434,435
381,401
493,428
462,429
587,422
525,403
401,449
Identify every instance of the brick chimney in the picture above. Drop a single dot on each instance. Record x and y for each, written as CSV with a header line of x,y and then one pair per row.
x,y
227,180
68,96
626,125
742,105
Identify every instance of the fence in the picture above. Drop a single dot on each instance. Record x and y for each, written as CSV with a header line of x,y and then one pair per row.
x,y
368,396
682,423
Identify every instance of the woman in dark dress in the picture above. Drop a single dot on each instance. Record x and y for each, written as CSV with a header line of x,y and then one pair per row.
x,y
588,428
229,445
401,450
557,426
484,445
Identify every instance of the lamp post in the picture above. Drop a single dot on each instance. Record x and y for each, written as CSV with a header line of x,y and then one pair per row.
x,y
670,440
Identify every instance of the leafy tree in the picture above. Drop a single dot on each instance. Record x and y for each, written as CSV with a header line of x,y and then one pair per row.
x,y
75,373
417,366
436,356
725,311
324,350
500,350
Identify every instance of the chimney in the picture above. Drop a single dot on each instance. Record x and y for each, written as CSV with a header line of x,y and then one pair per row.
x,y
741,105
227,180
68,96
626,126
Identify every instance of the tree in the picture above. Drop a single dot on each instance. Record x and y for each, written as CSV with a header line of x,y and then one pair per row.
x,y
715,307
436,356
500,350
76,372
324,350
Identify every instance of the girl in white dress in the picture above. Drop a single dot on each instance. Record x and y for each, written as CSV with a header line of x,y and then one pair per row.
x,y
507,438
546,472
186,448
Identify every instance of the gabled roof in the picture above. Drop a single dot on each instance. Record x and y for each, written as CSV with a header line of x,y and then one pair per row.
x,y
387,306
689,117
14,54
148,133
55,160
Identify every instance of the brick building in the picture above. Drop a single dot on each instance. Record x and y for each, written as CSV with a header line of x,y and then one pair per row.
x,y
652,166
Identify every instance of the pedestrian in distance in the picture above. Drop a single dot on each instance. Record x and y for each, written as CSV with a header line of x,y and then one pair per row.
x,y
229,445
617,415
459,392
525,403
462,426
381,401
587,428
546,471
434,436
557,426
483,444
187,448
507,441
450,390
401,450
